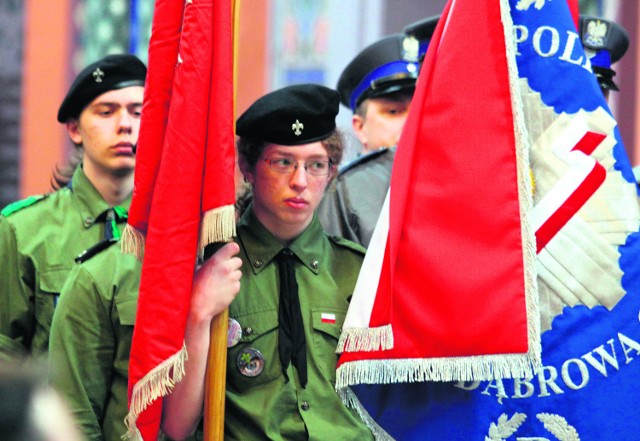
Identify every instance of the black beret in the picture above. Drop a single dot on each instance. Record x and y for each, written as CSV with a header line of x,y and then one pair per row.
x,y
109,73
605,42
293,115
384,67
422,31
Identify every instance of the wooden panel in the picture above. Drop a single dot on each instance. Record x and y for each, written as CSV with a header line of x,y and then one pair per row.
x,y
46,55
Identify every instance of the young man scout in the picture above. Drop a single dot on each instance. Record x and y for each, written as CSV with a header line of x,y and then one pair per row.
x,y
91,337
41,236
378,86
292,292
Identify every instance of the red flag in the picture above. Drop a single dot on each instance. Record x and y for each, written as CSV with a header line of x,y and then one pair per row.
x,y
456,295
185,173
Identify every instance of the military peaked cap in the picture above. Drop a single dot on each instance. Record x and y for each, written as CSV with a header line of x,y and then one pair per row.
x,y
384,67
293,115
605,42
109,73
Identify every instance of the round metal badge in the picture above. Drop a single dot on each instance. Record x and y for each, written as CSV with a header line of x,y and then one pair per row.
x,y
234,333
250,362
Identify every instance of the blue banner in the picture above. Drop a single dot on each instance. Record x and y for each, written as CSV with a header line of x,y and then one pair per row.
x,y
588,388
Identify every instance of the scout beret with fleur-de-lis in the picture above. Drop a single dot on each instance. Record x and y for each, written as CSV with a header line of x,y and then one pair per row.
x,y
293,115
109,73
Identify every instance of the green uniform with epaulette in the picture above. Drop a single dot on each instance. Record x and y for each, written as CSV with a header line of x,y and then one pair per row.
x,y
261,404
91,340
39,239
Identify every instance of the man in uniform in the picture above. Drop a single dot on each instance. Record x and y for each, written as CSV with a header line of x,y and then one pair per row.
x,y
91,339
292,293
40,236
605,43
378,86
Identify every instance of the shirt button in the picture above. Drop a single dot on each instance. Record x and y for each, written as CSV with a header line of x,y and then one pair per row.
x,y
304,405
314,264
247,331
258,263
88,221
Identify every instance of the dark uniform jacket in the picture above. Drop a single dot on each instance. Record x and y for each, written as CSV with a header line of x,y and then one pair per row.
x,y
352,209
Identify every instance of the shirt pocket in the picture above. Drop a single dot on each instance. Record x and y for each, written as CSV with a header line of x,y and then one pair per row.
x,y
49,285
327,326
259,333
50,282
127,311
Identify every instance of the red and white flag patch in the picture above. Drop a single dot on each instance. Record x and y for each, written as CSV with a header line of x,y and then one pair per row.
x,y
327,317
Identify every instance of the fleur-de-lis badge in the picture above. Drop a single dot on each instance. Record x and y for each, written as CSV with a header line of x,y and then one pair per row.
x,y
297,128
98,75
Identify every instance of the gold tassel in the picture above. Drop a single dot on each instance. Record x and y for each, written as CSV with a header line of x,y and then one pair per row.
x,y
218,225
156,384
366,339
132,242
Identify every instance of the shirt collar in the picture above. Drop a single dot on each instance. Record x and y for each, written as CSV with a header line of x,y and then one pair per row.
x,y
89,201
261,246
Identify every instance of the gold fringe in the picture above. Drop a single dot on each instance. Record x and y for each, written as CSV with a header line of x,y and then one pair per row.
x,y
156,384
132,242
218,225
471,368
525,196
366,339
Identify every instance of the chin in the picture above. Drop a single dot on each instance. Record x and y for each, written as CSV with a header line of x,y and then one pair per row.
x,y
124,170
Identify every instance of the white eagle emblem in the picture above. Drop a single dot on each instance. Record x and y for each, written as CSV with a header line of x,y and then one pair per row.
x,y
524,5
596,33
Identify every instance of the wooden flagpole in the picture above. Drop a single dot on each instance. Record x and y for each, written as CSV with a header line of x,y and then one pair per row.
x,y
215,382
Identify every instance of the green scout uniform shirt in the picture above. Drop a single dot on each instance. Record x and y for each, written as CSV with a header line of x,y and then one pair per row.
x,y
91,339
265,407
38,244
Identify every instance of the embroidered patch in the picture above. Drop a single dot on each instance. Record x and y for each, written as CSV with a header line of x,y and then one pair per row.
x,y
325,317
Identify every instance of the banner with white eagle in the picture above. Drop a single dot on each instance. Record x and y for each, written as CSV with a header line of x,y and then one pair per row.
x,y
586,219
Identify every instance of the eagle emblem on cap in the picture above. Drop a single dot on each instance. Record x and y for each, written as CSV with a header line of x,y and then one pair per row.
x,y
98,75
297,128
410,49
596,34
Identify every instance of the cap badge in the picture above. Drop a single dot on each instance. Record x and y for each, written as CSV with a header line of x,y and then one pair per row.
x,y
596,34
98,75
410,49
297,128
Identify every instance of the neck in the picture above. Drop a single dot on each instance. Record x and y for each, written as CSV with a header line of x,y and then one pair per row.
x,y
113,187
285,234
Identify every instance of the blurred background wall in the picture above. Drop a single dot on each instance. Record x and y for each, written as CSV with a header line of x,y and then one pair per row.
x,y
43,44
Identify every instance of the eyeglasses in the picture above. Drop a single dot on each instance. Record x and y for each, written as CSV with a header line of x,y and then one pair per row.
x,y
286,165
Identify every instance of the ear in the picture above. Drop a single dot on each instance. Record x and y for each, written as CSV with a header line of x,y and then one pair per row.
x,y
245,169
358,123
73,130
